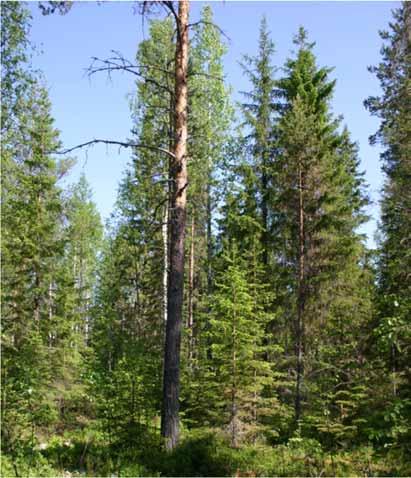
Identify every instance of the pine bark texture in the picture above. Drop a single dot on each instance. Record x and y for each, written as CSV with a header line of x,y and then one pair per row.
x,y
171,383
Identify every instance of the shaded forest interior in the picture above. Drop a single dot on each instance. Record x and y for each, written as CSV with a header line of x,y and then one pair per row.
x,y
229,319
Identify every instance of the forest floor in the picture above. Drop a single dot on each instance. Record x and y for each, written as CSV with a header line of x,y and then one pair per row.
x,y
203,454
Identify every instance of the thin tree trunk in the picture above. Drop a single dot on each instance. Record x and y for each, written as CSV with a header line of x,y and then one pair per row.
x,y
209,241
255,300
394,371
190,319
164,231
300,300
264,210
209,255
265,237
234,431
166,218
171,383
37,302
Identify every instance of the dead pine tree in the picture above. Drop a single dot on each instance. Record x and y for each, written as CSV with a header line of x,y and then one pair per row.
x,y
178,170
178,198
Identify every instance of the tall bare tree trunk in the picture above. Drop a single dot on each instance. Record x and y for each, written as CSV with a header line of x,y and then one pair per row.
x,y
171,383
300,300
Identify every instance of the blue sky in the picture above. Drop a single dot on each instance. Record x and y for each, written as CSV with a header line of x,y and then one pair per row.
x,y
346,36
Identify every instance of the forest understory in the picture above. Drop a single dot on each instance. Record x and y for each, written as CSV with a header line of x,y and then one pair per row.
x,y
229,319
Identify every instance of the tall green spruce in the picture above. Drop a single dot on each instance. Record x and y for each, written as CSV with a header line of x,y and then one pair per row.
x,y
318,202
42,326
238,371
393,298
237,378
32,245
258,111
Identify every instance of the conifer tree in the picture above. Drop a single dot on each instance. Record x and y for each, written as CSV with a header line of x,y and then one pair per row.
x,y
393,107
237,369
319,202
32,247
259,117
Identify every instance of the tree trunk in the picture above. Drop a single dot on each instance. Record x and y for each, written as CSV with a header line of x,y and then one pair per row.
x,y
209,238
171,383
264,210
300,300
209,256
167,208
234,411
164,231
190,319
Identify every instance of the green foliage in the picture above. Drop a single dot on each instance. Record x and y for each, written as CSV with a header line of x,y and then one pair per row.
x,y
124,370
275,263
240,383
392,335
32,246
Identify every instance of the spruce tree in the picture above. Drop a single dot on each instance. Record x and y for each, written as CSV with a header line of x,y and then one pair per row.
x,y
238,371
32,247
319,200
393,107
258,111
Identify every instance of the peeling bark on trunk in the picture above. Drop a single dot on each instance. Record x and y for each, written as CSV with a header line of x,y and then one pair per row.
x,y
171,383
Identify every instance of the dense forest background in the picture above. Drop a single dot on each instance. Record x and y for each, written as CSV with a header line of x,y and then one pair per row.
x,y
229,318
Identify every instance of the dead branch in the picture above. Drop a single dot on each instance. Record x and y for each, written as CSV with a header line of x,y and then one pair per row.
x,y
116,64
122,144
204,22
